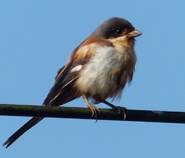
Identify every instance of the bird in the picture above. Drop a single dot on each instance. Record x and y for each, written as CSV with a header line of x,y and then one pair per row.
x,y
98,69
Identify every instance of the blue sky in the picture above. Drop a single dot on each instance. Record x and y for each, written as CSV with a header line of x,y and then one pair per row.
x,y
36,39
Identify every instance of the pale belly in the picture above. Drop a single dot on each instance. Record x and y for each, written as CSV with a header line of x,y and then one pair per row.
x,y
104,76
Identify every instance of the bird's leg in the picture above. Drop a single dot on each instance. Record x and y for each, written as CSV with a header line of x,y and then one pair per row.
x,y
122,110
94,109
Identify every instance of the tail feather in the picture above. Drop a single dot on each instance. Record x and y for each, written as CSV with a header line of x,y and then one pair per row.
x,y
22,130
61,93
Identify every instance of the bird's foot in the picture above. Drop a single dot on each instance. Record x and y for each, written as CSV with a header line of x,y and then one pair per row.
x,y
94,110
121,110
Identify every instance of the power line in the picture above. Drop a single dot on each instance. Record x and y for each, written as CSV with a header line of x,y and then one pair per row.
x,y
85,113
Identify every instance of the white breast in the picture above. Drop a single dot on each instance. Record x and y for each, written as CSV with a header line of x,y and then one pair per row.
x,y
96,76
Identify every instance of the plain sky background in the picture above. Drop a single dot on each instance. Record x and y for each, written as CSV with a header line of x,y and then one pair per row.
x,y
36,39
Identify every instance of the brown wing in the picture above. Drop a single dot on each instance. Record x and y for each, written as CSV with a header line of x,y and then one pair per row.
x,y
63,90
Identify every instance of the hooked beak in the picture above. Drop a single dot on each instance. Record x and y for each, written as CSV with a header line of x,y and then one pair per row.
x,y
134,34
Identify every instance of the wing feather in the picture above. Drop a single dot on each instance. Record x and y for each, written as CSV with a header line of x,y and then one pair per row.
x,y
62,92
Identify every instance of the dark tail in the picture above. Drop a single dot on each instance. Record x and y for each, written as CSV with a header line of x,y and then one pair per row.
x,y
22,130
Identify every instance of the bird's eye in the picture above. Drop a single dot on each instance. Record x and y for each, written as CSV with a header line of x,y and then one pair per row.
x,y
119,31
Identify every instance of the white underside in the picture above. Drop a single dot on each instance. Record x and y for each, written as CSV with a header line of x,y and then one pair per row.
x,y
95,77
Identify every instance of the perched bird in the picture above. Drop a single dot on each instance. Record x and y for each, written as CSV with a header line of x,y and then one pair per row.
x,y
97,69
